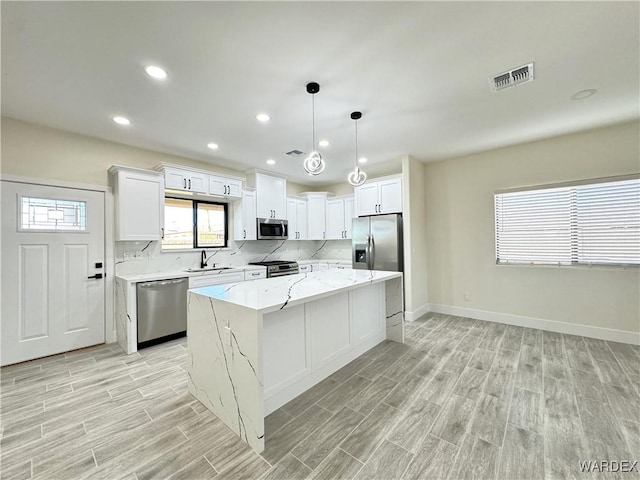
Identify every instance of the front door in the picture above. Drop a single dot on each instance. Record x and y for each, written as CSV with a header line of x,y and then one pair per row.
x,y
53,291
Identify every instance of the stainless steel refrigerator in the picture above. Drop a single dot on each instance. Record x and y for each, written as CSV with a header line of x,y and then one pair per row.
x,y
377,243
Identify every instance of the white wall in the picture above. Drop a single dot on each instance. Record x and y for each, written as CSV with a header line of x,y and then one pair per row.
x,y
415,234
460,237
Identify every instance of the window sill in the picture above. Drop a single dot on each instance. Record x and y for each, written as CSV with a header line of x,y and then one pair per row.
x,y
580,266
194,250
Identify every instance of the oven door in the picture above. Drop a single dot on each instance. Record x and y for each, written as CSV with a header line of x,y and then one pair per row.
x,y
272,229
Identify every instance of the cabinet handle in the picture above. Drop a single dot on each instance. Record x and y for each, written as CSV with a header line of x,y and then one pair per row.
x,y
226,189
244,234
185,183
323,235
162,233
189,184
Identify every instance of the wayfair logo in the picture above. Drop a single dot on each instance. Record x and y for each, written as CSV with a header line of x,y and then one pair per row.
x,y
608,466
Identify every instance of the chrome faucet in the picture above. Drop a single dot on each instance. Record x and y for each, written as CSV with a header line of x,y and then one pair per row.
x,y
203,259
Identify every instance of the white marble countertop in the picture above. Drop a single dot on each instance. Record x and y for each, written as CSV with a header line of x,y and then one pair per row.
x,y
271,294
170,274
324,260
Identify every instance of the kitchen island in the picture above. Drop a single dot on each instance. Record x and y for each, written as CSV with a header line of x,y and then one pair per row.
x,y
255,346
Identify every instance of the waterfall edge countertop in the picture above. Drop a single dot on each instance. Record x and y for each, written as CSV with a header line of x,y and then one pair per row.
x,y
272,294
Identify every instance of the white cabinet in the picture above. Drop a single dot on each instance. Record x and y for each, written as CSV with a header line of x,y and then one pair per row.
x,y
316,212
139,203
244,216
185,179
297,218
339,216
217,278
271,196
379,196
225,186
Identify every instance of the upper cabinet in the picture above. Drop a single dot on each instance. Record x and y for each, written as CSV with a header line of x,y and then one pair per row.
x,y
200,181
379,196
339,216
139,203
316,215
297,218
271,196
188,180
244,216
225,186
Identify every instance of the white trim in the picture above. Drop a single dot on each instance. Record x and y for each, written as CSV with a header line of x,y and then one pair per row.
x,y
623,336
109,260
54,183
412,316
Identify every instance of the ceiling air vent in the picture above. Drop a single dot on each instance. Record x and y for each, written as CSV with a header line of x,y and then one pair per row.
x,y
295,153
512,78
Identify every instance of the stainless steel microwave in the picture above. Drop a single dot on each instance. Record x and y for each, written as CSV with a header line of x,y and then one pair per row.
x,y
272,229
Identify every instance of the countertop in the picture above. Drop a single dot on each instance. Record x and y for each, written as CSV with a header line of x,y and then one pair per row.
x,y
170,274
271,294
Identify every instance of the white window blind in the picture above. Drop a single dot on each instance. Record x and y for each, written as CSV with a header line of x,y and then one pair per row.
x,y
594,223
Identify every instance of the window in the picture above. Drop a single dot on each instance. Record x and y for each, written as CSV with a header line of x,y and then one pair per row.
x,y
587,223
52,215
194,224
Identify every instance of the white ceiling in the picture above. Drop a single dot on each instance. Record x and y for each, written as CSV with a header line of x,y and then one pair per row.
x,y
417,70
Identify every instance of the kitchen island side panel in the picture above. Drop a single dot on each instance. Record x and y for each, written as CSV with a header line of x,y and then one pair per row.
x,y
224,370
394,311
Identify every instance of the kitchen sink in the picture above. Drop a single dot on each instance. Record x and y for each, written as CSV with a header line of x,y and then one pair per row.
x,y
207,269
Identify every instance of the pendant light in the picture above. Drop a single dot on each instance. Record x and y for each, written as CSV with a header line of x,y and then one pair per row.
x,y
313,164
357,177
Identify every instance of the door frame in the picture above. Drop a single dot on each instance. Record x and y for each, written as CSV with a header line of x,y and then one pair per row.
x,y
109,242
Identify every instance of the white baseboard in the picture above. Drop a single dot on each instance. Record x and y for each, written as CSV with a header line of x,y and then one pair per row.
x,y
623,336
412,315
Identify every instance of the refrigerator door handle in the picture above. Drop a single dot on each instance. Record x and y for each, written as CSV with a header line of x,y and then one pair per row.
x,y
372,251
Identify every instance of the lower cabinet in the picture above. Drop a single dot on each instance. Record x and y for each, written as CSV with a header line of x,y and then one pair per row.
x,y
306,343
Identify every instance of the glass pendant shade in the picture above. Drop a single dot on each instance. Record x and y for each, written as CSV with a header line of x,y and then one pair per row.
x,y
357,177
314,163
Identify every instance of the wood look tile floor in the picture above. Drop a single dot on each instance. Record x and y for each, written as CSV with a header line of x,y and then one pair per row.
x,y
461,399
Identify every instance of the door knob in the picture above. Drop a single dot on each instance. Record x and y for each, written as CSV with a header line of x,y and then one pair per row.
x,y
97,275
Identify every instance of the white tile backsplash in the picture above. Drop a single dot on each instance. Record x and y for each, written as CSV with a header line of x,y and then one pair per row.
x,y
152,259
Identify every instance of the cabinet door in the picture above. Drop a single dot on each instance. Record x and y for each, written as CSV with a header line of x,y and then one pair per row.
x,y
175,179
234,188
330,329
348,215
291,218
390,192
244,217
366,199
301,219
335,219
139,206
316,218
197,182
271,196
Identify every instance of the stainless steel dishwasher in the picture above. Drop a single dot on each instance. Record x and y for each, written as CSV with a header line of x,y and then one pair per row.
x,y
162,310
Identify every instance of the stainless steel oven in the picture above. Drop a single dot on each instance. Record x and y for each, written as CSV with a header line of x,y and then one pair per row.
x,y
272,229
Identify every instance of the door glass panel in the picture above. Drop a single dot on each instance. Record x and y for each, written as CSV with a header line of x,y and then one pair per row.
x,y
52,215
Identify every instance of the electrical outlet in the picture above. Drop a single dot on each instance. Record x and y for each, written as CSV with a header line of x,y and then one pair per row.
x,y
467,296
137,255
227,333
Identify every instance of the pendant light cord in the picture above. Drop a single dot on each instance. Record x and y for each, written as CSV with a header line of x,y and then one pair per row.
x,y
356,143
313,122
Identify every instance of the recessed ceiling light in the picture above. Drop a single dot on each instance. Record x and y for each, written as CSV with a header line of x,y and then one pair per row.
x,y
121,120
362,160
271,162
263,117
582,94
156,72
323,143
212,146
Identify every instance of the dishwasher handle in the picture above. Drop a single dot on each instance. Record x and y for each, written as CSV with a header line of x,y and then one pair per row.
x,y
162,283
